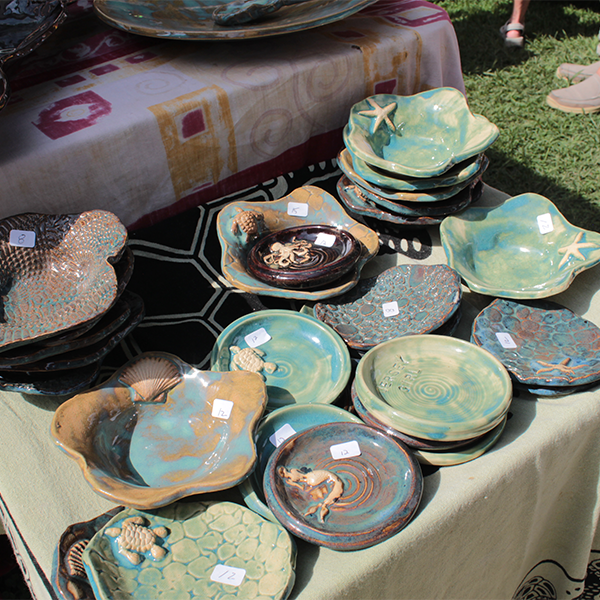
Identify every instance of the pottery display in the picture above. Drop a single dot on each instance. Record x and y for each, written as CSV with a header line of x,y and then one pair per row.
x,y
522,249
159,430
300,359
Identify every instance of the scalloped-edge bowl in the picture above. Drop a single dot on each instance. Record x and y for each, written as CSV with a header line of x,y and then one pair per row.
x,y
320,208
422,135
159,430
523,248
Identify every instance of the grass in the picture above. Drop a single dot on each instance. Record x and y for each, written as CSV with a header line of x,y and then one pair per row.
x,y
540,149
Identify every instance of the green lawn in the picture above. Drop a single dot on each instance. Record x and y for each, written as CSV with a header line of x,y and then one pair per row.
x,y
540,149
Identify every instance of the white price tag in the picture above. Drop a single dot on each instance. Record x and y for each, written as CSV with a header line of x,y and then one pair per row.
x,y
222,408
505,340
390,309
545,223
228,575
345,450
257,338
297,209
283,433
325,239
23,239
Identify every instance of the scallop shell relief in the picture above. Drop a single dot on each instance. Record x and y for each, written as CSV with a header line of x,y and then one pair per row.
x,y
151,378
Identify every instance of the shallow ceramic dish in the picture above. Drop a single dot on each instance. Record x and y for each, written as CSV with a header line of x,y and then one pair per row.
x,y
193,19
521,249
303,257
434,387
301,359
541,343
403,300
422,135
273,430
66,277
159,430
345,486
209,550
553,391
236,219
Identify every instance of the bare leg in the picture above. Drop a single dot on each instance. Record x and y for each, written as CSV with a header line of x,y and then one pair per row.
x,y
518,16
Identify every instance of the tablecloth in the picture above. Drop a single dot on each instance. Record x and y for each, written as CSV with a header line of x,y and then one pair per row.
x,y
519,522
146,127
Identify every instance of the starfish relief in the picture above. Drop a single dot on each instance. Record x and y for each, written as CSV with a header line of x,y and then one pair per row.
x,y
381,114
573,249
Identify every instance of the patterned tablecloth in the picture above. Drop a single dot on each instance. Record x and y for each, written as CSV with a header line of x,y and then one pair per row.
x,y
146,127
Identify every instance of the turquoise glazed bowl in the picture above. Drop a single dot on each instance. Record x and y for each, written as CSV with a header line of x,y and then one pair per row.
x,y
523,248
434,387
420,136
301,359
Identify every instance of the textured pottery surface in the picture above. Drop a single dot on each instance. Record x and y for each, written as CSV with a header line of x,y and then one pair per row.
x,y
523,248
273,431
356,500
547,344
320,207
303,257
193,19
158,430
434,387
180,549
306,361
422,135
240,12
64,280
421,299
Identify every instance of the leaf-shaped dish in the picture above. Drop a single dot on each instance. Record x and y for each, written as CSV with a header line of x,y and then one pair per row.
x,y
422,135
159,430
523,248
319,208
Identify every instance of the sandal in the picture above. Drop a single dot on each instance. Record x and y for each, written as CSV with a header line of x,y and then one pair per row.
x,y
513,42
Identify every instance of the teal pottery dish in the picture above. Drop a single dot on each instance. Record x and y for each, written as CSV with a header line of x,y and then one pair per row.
x,y
345,486
521,249
434,387
159,430
301,359
241,224
422,135
208,550
273,430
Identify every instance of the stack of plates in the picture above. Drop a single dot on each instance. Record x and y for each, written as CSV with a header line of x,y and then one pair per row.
x,y
445,398
64,305
413,160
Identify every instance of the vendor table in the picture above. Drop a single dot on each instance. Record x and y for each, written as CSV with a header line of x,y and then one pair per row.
x,y
521,521
146,127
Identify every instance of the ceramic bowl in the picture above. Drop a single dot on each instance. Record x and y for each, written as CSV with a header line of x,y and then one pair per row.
x,y
273,430
239,224
303,257
521,249
422,135
434,387
345,486
403,300
301,359
209,550
159,430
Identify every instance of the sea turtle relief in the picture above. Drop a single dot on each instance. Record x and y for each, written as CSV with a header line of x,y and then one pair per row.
x,y
135,539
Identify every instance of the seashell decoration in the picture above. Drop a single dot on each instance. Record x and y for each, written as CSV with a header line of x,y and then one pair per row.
x,y
73,560
151,378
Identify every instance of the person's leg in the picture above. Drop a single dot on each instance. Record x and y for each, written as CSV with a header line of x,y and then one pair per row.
x,y
518,16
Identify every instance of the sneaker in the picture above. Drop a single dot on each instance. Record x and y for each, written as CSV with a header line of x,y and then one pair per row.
x,y
582,97
576,73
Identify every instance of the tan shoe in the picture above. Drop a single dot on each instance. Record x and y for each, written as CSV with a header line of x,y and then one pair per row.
x,y
576,73
582,97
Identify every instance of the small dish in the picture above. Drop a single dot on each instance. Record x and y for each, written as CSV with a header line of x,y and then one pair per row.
x,y
422,135
240,223
345,486
403,300
159,430
301,359
522,249
209,550
434,387
303,257
541,343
